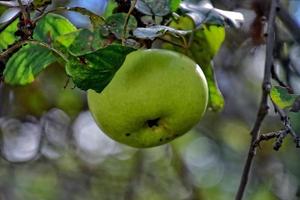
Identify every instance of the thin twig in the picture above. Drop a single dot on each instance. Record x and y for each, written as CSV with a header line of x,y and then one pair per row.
x,y
57,52
133,2
263,108
11,49
18,44
50,11
279,135
287,124
23,11
268,136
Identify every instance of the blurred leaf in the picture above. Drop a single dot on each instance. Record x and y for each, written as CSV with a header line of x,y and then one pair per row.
x,y
282,98
40,3
81,41
52,26
26,64
262,192
156,31
41,184
204,12
7,36
154,7
111,5
95,19
95,70
70,101
115,24
174,4
205,44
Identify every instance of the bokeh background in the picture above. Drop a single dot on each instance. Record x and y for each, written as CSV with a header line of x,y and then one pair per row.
x,y
51,149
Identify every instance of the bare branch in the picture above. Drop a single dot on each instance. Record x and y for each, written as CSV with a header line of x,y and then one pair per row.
x,y
263,108
133,3
287,124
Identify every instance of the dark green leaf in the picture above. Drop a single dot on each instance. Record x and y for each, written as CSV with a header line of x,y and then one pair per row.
x,y
115,24
51,26
7,36
282,98
25,65
153,7
82,41
95,70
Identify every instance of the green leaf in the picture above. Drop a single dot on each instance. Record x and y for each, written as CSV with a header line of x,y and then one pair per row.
x,y
111,5
115,24
95,70
82,41
52,26
216,100
26,64
30,60
174,5
7,36
153,7
282,98
205,44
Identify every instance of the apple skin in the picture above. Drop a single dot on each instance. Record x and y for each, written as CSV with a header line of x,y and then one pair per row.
x,y
156,96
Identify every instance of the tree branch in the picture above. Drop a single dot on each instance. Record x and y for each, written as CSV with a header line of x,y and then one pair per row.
x,y
133,3
287,124
20,43
263,108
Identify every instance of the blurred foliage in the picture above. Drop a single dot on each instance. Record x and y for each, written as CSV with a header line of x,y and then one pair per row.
x,y
76,161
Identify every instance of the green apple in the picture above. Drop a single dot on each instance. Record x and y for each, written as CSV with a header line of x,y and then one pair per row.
x,y
157,95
